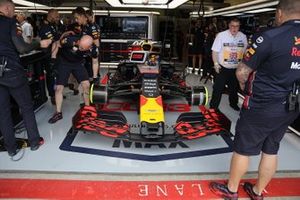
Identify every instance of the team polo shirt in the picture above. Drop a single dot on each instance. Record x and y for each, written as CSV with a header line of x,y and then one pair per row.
x,y
230,48
49,31
274,56
9,28
93,30
70,49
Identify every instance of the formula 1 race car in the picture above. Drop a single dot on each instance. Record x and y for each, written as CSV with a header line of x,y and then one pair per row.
x,y
145,74
148,81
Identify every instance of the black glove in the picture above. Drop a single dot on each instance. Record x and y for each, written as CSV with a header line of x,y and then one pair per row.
x,y
95,81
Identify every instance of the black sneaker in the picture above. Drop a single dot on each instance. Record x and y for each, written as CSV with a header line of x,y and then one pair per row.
x,y
235,107
12,154
223,191
248,187
57,116
37,146
71,86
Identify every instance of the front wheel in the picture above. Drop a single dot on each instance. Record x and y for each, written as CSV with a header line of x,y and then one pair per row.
x,y
199,96
98,94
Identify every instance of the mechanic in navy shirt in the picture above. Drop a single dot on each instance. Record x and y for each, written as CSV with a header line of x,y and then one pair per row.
x,y
268,72
86,26
49,30
71,60
13,79
94,31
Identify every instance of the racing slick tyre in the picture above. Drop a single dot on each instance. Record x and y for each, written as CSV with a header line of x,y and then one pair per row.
x,y
98,94
199,96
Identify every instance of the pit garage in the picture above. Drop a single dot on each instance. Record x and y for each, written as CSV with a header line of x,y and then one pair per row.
x,y
149,132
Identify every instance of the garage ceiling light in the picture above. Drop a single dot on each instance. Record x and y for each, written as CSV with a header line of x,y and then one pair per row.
x,y
145,1
48,8
37,11
261,10
158,4
26,3
241,8
233,14
65,12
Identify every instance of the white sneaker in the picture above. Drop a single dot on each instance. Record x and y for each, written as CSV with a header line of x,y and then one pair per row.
x,y
196,71
189,70
201,72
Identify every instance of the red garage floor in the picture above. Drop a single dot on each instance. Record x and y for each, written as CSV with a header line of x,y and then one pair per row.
x,y
79,189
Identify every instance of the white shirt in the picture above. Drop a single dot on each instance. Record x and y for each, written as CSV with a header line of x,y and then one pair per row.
x,y
27,31
230,48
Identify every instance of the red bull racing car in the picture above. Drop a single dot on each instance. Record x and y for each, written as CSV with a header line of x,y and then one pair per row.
x,y
149,81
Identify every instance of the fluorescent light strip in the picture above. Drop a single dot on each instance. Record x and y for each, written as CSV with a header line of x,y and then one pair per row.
x,y
124,12
143,1
261,10
37,11
143,12
65,12
242,5
173,4
48,8
243,9
97,12
233,14
26,3
247,8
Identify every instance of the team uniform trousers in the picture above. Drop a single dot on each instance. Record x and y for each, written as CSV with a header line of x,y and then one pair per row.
x,y
226,76
20,91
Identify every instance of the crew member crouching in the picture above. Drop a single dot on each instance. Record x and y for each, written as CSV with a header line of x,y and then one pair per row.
x,y
71,60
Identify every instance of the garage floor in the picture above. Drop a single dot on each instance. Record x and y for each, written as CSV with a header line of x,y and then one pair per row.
x,y
91,153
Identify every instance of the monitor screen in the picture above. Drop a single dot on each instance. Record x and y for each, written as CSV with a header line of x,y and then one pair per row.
x,y
135,24
123,27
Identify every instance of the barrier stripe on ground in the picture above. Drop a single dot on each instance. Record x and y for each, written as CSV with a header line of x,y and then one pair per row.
x,y
109,190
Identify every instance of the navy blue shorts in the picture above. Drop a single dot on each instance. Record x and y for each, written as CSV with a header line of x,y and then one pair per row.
x,y
66,68
262,129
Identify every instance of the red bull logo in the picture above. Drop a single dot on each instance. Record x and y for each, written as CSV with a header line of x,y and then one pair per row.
x,y
295,52
297,41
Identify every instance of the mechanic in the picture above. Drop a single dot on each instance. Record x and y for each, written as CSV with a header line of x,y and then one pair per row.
x,y
227,51
85,25
197,48
94,31
13,79
71,60
49,30
270,77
